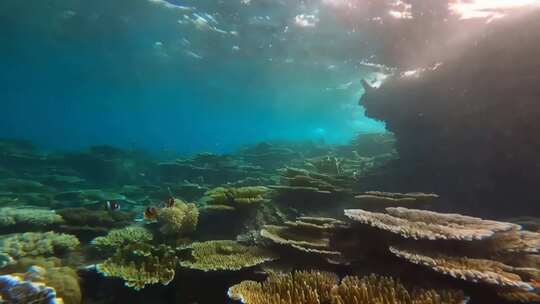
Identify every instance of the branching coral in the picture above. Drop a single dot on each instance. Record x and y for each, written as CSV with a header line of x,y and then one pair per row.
x,y
225,255
429,225
38,244
316,287
179,220
307,234
141,265
374,289
28,217
307,287
236,197
120,237
472,270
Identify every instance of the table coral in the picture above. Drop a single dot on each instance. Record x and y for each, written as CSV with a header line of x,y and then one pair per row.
x,y
140,265
38,244
429,225
28,217
225,255
120,237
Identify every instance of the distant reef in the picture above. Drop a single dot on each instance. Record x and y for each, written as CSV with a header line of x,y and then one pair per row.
x,y
467,127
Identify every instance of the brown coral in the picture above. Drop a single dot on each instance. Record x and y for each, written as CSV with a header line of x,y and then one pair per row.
x,y
318,287
307,234
468,269
377,198
307,287
429,225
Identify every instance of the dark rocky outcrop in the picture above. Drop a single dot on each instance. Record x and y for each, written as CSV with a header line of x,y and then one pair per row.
x,y
468,128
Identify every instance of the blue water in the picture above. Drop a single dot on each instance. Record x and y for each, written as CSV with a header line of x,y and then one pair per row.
x,y
127,73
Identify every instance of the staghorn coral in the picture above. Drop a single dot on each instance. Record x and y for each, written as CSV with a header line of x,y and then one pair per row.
x,y
38,244
307,234
307,287
429,225
467,269
225,255
178,220
375,289
120,237
317,287
376,198
236,197
28,217
140,265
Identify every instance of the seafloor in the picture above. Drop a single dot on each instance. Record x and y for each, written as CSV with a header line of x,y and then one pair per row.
x,y
107,225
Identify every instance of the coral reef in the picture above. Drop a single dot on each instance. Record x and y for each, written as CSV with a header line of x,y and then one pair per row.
x,y
236,197
38,244
28,218
225,255
472,270
387,199
307,234
140,265
179,220
422,224
64,280
310,287
316,287
19,289
458,123
121,237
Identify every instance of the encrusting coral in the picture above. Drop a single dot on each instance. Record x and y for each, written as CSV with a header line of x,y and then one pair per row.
x,y
225,255
38,244
120,237
28,217
178,220
429,225
307,234
63,279
141,264
318,287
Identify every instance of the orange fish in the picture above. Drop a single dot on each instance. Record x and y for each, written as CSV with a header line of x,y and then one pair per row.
x,y
150,213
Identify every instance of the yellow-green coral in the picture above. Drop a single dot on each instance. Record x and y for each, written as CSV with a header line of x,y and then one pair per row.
x,y
120,237
64,280
236,197
26,216
319,287
225,255
178,220
375,289
141,265
38,244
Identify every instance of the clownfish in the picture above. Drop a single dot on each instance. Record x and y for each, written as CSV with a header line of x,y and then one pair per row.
x,y
112,205
150,213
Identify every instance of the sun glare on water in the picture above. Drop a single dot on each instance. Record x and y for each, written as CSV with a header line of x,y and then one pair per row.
x,y
490,9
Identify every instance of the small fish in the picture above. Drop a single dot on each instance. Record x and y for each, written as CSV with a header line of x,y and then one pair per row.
x,y
112,205
169,202
150,213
